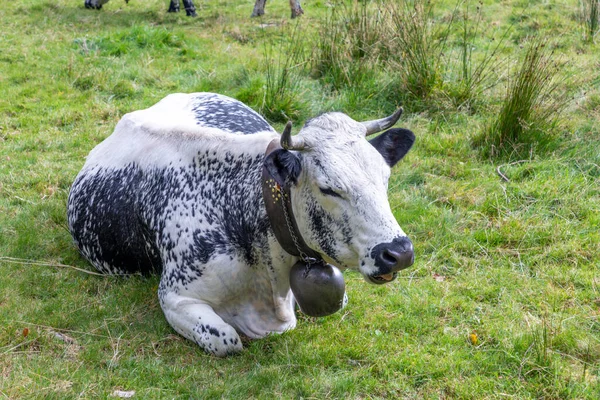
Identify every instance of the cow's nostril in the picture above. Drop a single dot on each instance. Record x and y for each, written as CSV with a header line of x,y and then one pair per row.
x,y
390,257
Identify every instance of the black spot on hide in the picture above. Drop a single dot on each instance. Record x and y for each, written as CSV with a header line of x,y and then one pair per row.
x,y
215,111
106,225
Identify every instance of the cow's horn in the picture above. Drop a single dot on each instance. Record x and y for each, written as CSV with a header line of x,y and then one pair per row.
x,y
380,124
289,143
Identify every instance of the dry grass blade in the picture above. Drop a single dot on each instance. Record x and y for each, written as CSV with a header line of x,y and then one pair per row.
x,y
24,261
499,169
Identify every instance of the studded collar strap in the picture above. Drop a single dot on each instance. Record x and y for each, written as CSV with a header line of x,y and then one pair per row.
x,y
278,203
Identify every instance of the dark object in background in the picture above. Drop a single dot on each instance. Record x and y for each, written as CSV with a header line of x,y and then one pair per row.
x,y
190,10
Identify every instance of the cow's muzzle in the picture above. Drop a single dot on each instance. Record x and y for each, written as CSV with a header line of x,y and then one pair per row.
x,y
391,258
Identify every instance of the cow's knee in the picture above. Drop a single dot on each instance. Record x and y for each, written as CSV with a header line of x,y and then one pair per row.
x,y
296,8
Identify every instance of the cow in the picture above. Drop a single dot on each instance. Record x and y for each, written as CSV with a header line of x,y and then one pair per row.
x,y
190,9
181,189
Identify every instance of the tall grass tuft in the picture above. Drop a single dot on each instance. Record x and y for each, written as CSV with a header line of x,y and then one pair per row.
x,y
470,77
280,101
419,44
330,58
537,347
348,45
590,15
531,109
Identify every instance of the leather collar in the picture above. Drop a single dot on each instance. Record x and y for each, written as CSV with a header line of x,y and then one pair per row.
x,y
278,202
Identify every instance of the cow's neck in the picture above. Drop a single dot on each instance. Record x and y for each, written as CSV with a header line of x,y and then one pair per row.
x,y
278,202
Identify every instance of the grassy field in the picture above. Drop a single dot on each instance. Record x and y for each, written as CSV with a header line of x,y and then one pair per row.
x,y
503,300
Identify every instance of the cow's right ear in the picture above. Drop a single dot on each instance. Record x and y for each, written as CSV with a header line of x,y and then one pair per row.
x,y
284,166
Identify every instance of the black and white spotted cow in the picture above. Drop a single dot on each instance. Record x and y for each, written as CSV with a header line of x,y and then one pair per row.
x,y
190,10
176,190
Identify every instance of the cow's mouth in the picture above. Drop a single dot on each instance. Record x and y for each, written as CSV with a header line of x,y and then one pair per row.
x,y
381,279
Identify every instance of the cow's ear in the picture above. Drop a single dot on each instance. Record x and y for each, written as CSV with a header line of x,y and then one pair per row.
x,y
393,144
284,166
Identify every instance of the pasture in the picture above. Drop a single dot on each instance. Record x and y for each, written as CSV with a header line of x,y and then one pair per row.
x,y
500,195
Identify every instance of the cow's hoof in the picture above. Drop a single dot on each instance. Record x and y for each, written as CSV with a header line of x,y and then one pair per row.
x,y
191,13
296,12
173,9
257,13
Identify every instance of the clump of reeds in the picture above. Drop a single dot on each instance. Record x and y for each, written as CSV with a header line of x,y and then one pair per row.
x,y
470,76
419,43
280,101
590,15
346,48
531,109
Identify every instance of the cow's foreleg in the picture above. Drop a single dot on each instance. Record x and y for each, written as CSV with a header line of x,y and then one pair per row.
x,y
190,10
174,6
259,8
296,8
198,322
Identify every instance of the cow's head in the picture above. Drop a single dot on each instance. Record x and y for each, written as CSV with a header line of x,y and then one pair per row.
x,y
339,183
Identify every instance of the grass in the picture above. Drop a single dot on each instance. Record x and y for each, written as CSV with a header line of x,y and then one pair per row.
x,y
590,15
513,260
469,76
421,43
529,118
346,44
282,80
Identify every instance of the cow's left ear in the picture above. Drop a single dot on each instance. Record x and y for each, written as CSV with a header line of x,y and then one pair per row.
x,y
284,166
393,144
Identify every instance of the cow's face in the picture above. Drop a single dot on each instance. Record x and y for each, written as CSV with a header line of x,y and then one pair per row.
x,y
340,199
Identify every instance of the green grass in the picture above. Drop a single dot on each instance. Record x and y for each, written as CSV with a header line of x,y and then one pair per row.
x,y
513,261
590,16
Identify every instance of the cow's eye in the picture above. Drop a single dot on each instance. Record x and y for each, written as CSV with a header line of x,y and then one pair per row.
x,y
329,192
